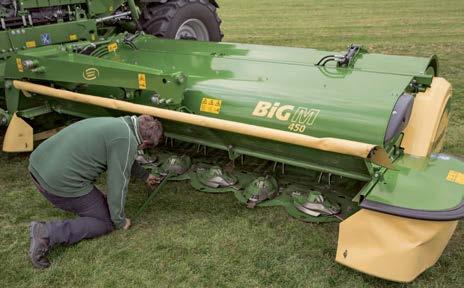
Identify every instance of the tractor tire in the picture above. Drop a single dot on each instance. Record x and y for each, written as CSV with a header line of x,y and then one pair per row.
x,y
182,19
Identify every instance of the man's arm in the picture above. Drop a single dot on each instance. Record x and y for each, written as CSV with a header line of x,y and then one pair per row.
x,y
120,158
139,172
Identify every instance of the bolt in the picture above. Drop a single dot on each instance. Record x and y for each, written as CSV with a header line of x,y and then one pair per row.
x,y
40,69
155,98
129,95
3,121
8,84
30,64
181,78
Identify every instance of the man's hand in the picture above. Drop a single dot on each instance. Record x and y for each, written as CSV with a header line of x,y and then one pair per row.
x,y
127,225
152,180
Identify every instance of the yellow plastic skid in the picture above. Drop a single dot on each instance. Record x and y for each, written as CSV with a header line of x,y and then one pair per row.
x,y
391,247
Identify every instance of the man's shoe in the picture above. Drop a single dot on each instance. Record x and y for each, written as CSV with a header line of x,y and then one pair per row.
x,y
39,245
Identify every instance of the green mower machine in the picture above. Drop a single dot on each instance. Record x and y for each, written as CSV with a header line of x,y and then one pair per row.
x,y
329,136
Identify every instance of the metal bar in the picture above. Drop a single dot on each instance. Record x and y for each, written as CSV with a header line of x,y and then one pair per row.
x,y
47,134
4,118
116,16
152,195
35,111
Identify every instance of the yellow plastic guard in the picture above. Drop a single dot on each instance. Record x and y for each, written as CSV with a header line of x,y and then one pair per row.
x,y
341,146
429,120
19,136
391,247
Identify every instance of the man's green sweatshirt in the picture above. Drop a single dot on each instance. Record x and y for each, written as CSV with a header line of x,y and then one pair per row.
x,y
68,163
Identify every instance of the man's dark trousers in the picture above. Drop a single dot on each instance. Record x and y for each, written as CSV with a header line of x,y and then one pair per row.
x,y
94,218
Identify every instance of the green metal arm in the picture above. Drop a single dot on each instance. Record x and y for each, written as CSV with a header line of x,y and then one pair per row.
x,y
150,197
134,10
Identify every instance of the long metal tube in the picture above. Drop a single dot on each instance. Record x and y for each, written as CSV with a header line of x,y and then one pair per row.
x,y
335,145
111,17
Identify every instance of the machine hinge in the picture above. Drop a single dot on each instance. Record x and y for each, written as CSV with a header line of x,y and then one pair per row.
x,y
346,60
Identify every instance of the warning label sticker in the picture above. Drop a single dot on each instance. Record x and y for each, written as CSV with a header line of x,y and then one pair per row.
x,y
19,64
31,44
112,47
209,105
142,81
456,177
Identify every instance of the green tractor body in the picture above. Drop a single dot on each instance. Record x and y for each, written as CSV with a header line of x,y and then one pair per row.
x,y
376,119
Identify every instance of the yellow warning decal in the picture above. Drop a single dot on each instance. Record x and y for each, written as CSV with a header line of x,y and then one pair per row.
x,y
112,47
19,64
211,105
142,81
73,37
31,44
456,177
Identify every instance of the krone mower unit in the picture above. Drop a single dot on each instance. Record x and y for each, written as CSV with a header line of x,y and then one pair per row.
x,y
376,119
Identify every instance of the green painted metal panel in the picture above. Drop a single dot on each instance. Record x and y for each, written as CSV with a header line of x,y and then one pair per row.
x,y
2,75
354,104
107,74
422,184
5,45
407,65
31,37
102,7
27,4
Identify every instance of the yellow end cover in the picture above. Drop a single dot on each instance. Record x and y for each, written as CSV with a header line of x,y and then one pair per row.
x,y
19,136
391,247
429,120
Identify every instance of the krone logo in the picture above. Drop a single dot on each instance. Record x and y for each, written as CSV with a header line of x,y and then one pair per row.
x,y
90,74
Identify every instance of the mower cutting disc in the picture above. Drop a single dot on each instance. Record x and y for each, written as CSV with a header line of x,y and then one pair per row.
x,y
215,177
260,189
315,204
176,165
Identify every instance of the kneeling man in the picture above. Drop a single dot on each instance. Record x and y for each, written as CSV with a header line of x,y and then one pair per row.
x,y
64,169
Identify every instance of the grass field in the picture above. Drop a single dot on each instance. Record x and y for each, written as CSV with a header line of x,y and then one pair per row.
x,y
189,239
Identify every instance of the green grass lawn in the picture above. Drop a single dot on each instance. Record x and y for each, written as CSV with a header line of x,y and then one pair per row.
x,y
190,239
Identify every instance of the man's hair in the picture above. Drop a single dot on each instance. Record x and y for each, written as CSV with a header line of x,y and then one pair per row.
x,y
150,129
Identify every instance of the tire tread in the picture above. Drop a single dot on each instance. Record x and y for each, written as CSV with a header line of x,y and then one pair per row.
x,y
161,15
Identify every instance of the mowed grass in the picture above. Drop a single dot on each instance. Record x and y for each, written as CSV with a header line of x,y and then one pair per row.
x,y
190,239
